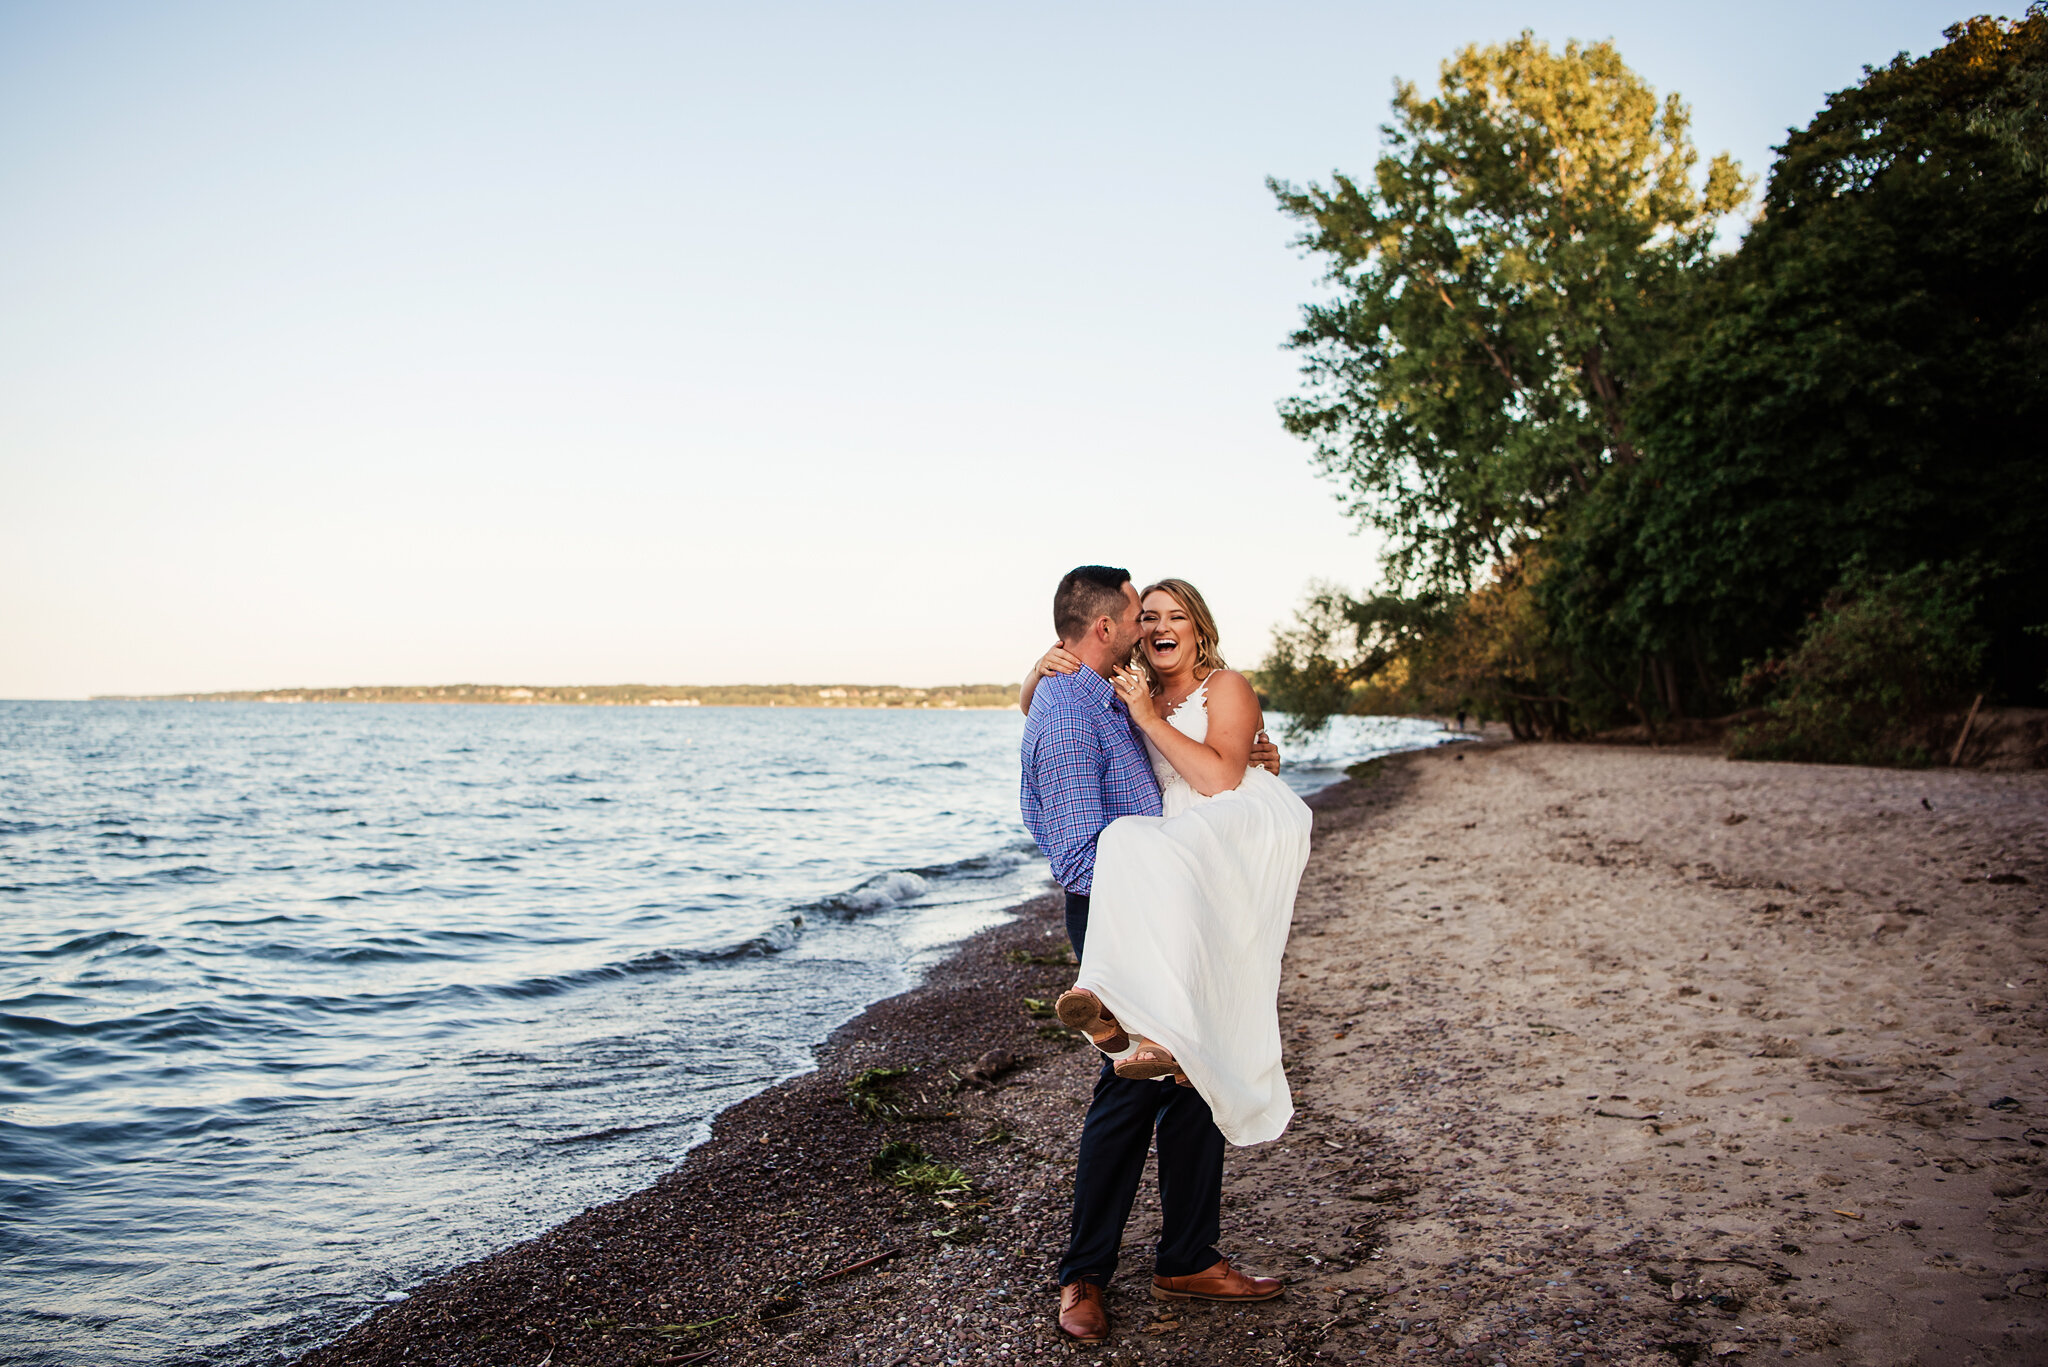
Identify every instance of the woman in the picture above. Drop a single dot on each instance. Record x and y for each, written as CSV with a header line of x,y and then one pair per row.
x,y
1190,909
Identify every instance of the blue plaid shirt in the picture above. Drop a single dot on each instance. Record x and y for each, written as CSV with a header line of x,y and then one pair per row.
x,y
1084,766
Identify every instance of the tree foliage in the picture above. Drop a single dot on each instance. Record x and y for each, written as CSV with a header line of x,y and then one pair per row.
x,y
1498,283
2015,114
1667,462
1489,651
1866,380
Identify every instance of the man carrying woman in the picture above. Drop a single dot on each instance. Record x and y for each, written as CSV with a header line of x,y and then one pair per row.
x,y
1196,898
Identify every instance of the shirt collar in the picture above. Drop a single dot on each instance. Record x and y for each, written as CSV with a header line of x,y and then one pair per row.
x,y
1095,688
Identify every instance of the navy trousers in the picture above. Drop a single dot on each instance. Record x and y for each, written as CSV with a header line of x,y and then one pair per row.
x,y
1115,1137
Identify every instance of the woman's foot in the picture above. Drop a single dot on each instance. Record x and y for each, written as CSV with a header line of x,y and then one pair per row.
x,y
1080,1009
1148,1060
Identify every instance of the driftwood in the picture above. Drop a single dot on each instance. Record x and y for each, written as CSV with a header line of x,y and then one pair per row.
x,y
988,1069
854,1267
1969,721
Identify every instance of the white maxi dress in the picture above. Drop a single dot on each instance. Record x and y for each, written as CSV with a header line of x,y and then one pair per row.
x,y
1186,924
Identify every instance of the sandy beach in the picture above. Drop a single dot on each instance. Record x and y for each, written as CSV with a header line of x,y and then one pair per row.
x,y
1601,1055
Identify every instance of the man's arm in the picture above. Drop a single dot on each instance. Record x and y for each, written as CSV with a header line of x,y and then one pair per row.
x,y
1066,766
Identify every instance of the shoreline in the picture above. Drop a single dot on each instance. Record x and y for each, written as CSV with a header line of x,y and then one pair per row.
x,y
966,697
1559,1100
554,702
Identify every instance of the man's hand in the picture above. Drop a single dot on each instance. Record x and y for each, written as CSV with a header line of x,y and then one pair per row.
x,y
1265,754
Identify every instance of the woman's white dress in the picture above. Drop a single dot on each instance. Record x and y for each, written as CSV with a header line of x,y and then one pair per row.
x,y
1186,924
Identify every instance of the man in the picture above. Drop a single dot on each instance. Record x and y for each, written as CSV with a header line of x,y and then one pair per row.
x,y
1084,766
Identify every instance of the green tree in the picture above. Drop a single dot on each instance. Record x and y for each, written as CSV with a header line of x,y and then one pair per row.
x,y
1867,378
1499,284
1490,651
1346,655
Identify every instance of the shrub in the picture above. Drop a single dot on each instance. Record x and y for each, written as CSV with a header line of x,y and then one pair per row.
x,y
1883,654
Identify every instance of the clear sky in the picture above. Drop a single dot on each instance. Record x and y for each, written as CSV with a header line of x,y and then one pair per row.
x,y
609,342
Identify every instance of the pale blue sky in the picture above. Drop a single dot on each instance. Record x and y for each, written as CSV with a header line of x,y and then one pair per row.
x,y
602,342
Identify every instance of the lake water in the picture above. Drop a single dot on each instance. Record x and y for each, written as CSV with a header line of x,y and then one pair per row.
x,y
300,1005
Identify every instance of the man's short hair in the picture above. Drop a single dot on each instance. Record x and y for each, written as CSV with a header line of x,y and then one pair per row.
x,y
1087,593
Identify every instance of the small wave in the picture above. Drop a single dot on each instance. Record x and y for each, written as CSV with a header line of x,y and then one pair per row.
x,y
883,890
184,873
372,952
993,864
84,944
476,937
775,941
598,1136
40,1027
254,1016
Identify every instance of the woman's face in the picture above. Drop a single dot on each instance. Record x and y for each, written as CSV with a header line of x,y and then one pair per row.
x,y
1165,633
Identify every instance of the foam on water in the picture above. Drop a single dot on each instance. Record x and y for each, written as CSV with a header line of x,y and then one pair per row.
x,y
288,994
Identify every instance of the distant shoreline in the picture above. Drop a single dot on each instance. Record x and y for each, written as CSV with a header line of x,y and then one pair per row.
x,y
953,697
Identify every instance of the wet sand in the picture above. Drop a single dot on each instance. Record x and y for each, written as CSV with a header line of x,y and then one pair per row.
x,y
1601,1054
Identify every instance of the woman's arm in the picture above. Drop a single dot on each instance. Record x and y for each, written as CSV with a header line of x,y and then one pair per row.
x,y
1213,766
1054,661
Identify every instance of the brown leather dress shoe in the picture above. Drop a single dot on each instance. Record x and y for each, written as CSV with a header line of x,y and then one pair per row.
x,y
1219,1283
1082,1317
1080,1009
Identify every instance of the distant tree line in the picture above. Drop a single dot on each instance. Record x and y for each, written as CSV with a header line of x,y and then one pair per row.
x,y
1622,476
633,695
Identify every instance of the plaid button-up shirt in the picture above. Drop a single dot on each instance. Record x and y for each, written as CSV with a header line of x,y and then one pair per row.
x,y
1084,766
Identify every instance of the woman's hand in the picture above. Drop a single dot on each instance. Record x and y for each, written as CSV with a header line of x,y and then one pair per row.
x,y
1057,661
1136,691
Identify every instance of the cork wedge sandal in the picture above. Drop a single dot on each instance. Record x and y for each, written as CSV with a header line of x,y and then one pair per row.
x,y
1079,1009
1150,1060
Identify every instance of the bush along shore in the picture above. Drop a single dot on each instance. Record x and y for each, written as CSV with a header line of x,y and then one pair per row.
x,y
1600,1054
623,695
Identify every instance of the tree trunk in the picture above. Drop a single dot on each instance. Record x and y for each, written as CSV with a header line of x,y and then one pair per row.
x,y
1699,664
1635,700
1674,700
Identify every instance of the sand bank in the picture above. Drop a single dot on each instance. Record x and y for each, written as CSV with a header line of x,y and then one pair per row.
x,y
1601,1054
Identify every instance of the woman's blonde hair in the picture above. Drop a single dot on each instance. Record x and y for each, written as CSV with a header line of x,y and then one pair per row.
x,y
1206,637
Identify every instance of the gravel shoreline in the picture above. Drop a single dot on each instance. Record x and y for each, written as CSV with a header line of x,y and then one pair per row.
x,y
1600,1055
